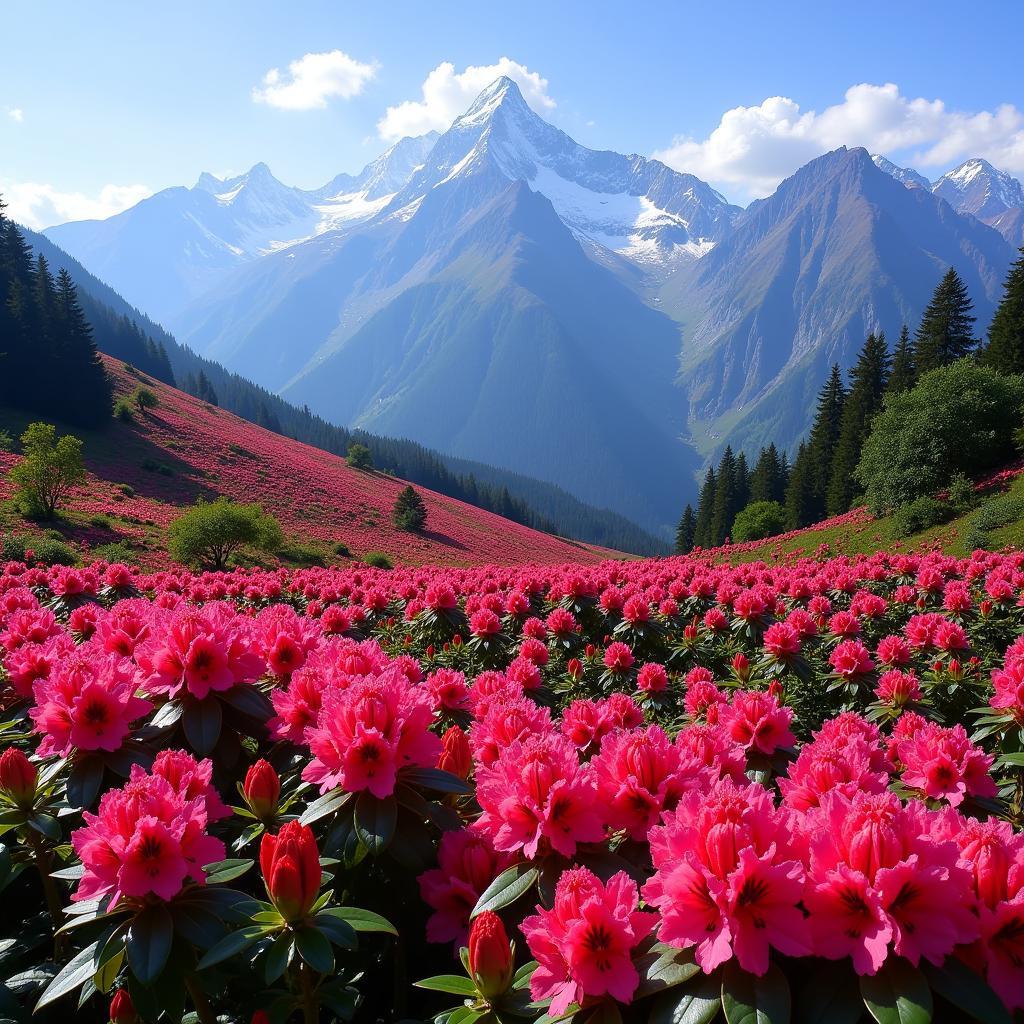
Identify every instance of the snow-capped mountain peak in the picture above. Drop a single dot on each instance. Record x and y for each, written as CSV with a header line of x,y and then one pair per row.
x,y
976,187
906,175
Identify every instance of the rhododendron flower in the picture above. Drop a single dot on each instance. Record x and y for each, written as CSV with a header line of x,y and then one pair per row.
x,y
484,623
898,688
448,689
367,733
584,945
467,864
618,657
192,779
199,650
87,703
456,755
757,722
702,695
944,764
851,659
782,641
893,650
537,797
147,838
652,678
505,721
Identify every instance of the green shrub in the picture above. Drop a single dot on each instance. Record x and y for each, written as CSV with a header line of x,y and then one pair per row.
x,y
378,560
6,442
144,398
118,551
758,520
300,553
920,514
100,522
123,411
51,468
52,552
209,533
957,419
962,495
999,511
359,456
974,539
127,490
342,549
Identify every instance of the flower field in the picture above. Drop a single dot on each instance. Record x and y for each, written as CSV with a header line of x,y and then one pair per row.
x,y
142,473
651,791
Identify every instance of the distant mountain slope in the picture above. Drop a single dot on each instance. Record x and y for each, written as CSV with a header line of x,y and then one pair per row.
x,y
126,333
991,195
839,250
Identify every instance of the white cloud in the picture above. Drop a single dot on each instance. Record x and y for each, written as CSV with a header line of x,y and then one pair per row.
x,y
41,206
16,114
753,148
447,94
313,79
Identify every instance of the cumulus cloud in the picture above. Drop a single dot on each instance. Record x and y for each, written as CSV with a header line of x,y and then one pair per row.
x,y
313,79
16,114
447,94
753,148
41,206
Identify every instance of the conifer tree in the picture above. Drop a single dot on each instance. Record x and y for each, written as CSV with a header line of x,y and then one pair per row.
x,y
946,331
1005,349
800,499
904,373
702,536
409,512
724,509
685,531
742,496
822,442
768,481
868,380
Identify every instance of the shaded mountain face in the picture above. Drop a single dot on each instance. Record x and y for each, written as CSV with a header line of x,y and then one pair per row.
x,y
991,195
181,243
905,175
841,249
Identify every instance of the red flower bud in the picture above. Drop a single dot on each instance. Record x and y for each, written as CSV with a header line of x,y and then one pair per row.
x,y
490,955
455,757
690,632
741,665
985,607
589,651
121,1009
775,689
574,668
18,777
262,790
290,863
430,650
456,640
260,1017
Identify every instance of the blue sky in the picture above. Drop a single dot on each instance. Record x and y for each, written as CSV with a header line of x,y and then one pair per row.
x,y
101,102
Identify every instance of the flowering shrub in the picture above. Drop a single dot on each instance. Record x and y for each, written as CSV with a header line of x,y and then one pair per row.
x,y
645,791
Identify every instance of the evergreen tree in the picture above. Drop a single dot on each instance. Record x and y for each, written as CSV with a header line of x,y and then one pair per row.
x,y
702,536
1005,349
82,377
868,380
742,497
724,509
409,512
824,438
800,499
904,373
946,331
768,481
685,531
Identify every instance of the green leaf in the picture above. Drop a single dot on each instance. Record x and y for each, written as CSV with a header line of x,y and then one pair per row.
x,y
149,942
325,805
84,782
830,996
47,825
226,870
965,990
167,715
78,970
697,1003
607,1012
455,984
897,994
106,974
663,967
202,723
277,957
748,999
375,821
512,883
340,932
196,924
522,977
435,779
362,920
249,700
313,946
231,944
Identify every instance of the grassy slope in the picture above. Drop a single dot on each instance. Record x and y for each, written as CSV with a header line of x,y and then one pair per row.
x,y
193,450
879,534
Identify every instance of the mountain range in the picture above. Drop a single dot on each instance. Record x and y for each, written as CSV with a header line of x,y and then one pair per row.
x,y
503,294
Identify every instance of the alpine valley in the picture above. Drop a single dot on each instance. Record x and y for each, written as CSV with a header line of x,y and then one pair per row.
x,y
502,294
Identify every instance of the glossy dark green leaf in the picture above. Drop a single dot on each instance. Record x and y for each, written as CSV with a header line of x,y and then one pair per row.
x,y
830,996
78,970
897,994
84,781
435,779
375,821
226,870
749,999
277,958
697,1002
965,990
512,883
362,920
149,942
453,984
325,805
249,700
663,967
232,944
202,723
315,948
